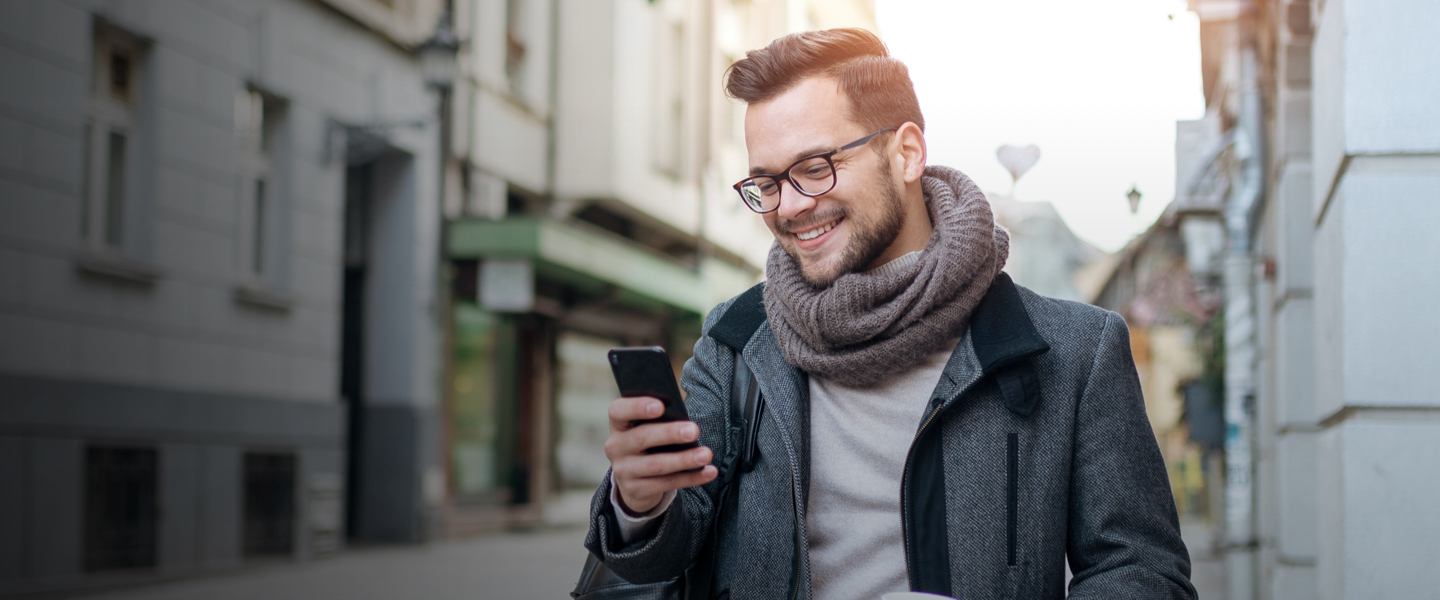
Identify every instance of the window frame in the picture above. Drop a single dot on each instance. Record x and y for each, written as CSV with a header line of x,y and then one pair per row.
x,y
106,117
261,146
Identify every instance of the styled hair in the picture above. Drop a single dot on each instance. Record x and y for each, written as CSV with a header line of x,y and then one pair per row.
x,y
877,86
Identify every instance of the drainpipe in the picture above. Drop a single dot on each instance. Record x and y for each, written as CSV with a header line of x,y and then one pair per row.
x,y
1241,542
552,98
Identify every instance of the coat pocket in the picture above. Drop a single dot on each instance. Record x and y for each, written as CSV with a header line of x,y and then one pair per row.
x,y
1012,493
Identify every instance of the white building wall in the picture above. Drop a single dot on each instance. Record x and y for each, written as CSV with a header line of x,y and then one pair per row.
x,y
610,120
1376,208
1287,475
500,121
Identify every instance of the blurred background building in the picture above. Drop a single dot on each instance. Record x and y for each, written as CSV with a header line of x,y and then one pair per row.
x,y
187,188
1320,176
588,207
276,276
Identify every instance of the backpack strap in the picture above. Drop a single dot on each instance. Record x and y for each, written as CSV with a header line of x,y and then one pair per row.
x,y
734,329
741,320
736,326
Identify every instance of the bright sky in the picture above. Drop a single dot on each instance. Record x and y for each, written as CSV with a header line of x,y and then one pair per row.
x,y
1097,85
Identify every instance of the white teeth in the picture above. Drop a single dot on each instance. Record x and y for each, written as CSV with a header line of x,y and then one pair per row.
x,y
814,233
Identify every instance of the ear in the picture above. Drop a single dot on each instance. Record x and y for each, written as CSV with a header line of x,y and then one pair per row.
x,y
909,152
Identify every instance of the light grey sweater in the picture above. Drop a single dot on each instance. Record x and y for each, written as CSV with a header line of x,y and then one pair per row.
x,y
859,439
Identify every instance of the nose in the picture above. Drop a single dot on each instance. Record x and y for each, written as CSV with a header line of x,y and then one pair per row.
x,y
792,202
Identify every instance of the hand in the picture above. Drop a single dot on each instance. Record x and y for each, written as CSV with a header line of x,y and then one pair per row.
x,y
643,479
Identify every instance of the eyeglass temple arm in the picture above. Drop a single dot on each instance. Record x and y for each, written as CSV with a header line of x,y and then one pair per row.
x,y
864,140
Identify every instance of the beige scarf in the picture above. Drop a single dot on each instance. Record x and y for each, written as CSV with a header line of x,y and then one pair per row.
x,y
867,326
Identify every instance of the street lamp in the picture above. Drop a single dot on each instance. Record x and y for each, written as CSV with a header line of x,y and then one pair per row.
x,y
437,56
1134,197
437,66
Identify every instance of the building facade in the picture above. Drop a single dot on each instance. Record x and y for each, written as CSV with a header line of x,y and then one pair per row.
x,y
1172,337
1332,157
268,284
218,252
589,207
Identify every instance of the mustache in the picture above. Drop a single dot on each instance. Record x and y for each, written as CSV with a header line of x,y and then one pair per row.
x,y
810,222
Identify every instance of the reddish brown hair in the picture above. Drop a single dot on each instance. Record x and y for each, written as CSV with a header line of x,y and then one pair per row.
x,y
878,86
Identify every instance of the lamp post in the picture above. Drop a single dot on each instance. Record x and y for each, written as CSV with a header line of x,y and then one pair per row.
x,y
1134,197
437,56
438,67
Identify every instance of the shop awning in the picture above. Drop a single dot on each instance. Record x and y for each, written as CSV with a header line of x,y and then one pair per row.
x,y
575,254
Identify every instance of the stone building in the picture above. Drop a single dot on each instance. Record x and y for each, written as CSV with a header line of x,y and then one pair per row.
x,y
1330,168
206,207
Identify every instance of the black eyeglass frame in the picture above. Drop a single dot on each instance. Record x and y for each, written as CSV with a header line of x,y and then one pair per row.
x,y
785,175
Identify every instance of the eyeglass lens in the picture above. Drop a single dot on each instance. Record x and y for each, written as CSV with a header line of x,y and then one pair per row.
x,y
812,177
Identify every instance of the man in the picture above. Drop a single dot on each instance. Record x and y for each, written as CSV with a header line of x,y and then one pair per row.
x,y
929,425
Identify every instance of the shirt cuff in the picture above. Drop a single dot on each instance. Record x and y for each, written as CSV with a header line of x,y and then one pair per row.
x,y
634,528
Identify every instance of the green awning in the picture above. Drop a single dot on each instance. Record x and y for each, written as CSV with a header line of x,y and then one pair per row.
x,y
580,256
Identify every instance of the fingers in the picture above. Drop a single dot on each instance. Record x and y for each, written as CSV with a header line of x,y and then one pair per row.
x,y
640,438
662,464
642,479
624,411
642,495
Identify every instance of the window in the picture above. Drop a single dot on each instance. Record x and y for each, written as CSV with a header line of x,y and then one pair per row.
x,y
257,119
669,125
269,528
110,132
732,114
121,507
514,42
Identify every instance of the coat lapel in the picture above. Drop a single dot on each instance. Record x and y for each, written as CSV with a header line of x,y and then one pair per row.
x,y
1005,340
786,390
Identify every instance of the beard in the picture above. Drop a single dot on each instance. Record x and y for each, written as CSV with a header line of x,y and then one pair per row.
x,y
869,237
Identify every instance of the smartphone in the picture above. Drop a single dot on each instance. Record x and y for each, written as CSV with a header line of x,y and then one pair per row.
x,y
646,372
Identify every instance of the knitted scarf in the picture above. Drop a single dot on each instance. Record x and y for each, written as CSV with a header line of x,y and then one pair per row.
x,y
867,326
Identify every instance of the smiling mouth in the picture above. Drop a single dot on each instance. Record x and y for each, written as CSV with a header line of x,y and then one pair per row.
x,y
816,232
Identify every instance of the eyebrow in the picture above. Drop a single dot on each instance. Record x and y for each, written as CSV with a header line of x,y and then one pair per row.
x,y
812,151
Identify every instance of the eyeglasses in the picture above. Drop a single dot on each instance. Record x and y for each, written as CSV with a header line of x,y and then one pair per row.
x,y
811,176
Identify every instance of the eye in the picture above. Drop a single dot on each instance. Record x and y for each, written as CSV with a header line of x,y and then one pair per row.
x,y
814,169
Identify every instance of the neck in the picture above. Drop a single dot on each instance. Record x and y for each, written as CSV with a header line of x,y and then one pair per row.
x,y
915,230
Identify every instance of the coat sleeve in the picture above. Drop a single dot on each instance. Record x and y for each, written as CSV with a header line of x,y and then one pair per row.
x,y
683,529
1124,538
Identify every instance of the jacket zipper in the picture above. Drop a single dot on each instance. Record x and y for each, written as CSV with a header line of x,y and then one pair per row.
x,y
795,518
934,410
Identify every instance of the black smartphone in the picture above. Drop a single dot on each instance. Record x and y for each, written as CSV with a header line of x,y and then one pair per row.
x,y
646,372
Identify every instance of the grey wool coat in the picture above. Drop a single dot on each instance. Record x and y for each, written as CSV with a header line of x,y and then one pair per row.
x,y
1035,448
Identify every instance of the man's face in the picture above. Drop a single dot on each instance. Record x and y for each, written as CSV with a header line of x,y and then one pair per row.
x,y
849,227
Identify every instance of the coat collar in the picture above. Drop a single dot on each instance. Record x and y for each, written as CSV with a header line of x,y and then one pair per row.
x,y
1001,328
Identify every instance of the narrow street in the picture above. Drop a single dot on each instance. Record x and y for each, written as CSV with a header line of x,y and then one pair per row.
x,y
1207,566
516,566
